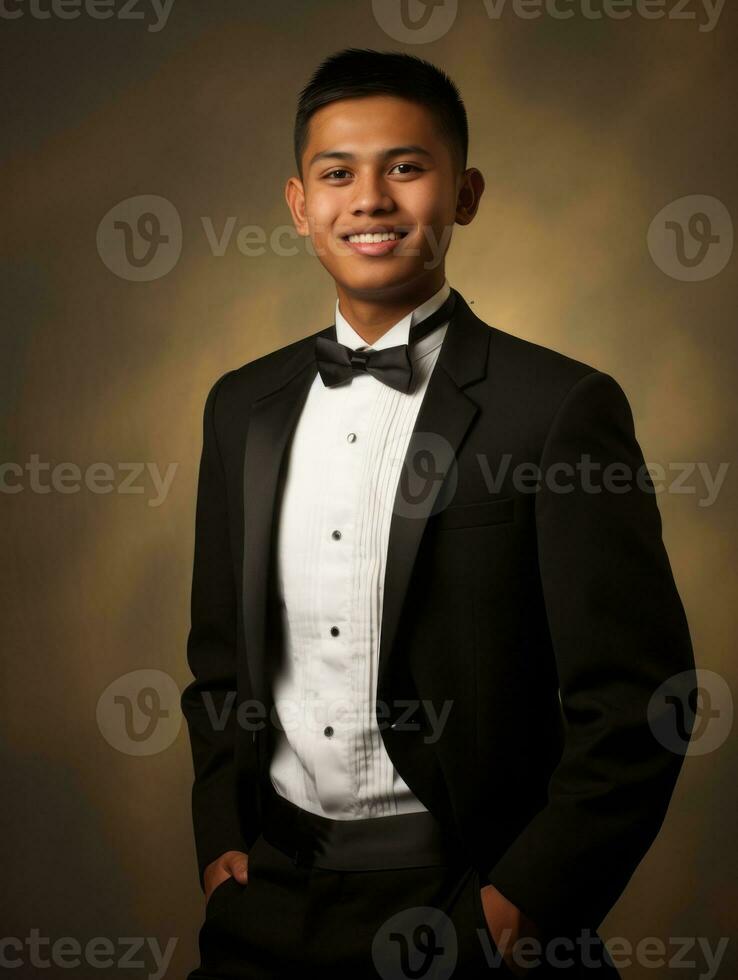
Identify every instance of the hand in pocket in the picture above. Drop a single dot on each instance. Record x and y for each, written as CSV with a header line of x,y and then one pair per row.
x,y
507,924
232,864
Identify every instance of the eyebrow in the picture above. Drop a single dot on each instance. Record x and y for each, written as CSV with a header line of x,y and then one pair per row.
x,y
381,155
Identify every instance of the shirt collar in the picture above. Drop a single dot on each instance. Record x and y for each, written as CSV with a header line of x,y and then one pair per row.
x,y
397,334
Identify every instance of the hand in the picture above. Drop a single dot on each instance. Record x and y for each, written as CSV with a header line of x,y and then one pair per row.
x,y
231,864
507,924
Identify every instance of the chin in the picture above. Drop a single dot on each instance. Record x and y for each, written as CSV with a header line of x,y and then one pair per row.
x,y
377,279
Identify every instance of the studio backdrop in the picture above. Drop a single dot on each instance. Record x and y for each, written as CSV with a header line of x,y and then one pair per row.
x,y
147,248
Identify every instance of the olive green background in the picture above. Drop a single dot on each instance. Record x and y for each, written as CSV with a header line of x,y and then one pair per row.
x,y
584,129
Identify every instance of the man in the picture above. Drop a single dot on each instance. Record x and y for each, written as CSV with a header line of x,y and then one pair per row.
x,y
432,611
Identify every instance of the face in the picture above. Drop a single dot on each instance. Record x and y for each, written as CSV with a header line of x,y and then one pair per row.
x,y
378,164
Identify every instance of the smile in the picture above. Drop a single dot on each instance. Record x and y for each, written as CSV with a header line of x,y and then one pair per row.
x,y
386,236
375,243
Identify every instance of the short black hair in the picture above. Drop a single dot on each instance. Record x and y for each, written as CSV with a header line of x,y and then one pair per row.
x,y
356,72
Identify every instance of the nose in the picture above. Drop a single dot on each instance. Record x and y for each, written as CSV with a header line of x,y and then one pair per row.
x,y
371,195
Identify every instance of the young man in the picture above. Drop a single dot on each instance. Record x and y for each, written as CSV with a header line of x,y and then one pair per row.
x,y
422,719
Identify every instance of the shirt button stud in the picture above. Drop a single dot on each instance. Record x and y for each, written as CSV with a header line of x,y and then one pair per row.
x,y
351,437
328,731
336,535
335,631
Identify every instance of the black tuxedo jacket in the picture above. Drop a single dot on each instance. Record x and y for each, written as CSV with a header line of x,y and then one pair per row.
x,y
545,619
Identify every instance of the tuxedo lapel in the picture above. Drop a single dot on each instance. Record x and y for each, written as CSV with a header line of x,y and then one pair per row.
x,y
272,421
445,415
443,419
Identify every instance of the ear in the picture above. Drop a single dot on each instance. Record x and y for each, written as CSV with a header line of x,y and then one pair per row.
x,y
294,193
469,196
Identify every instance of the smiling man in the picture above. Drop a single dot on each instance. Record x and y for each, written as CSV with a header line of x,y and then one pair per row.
x,y
424,699
385,179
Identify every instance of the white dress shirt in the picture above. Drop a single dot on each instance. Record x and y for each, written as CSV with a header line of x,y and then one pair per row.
x,y
333,528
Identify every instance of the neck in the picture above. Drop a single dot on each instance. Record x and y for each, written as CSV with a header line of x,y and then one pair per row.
x,y
372,314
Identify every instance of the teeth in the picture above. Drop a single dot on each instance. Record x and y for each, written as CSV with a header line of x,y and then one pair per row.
x,y
387,236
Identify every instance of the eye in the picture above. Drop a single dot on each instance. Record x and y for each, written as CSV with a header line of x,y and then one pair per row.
x,y
334,173
411,166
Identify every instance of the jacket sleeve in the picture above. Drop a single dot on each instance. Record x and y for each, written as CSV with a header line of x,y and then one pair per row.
x,y
209,701
619,632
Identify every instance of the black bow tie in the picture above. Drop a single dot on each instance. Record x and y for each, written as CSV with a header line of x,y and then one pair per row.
x,y
392,365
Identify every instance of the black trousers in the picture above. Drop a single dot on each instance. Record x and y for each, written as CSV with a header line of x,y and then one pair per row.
x,y
290,921
375,918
